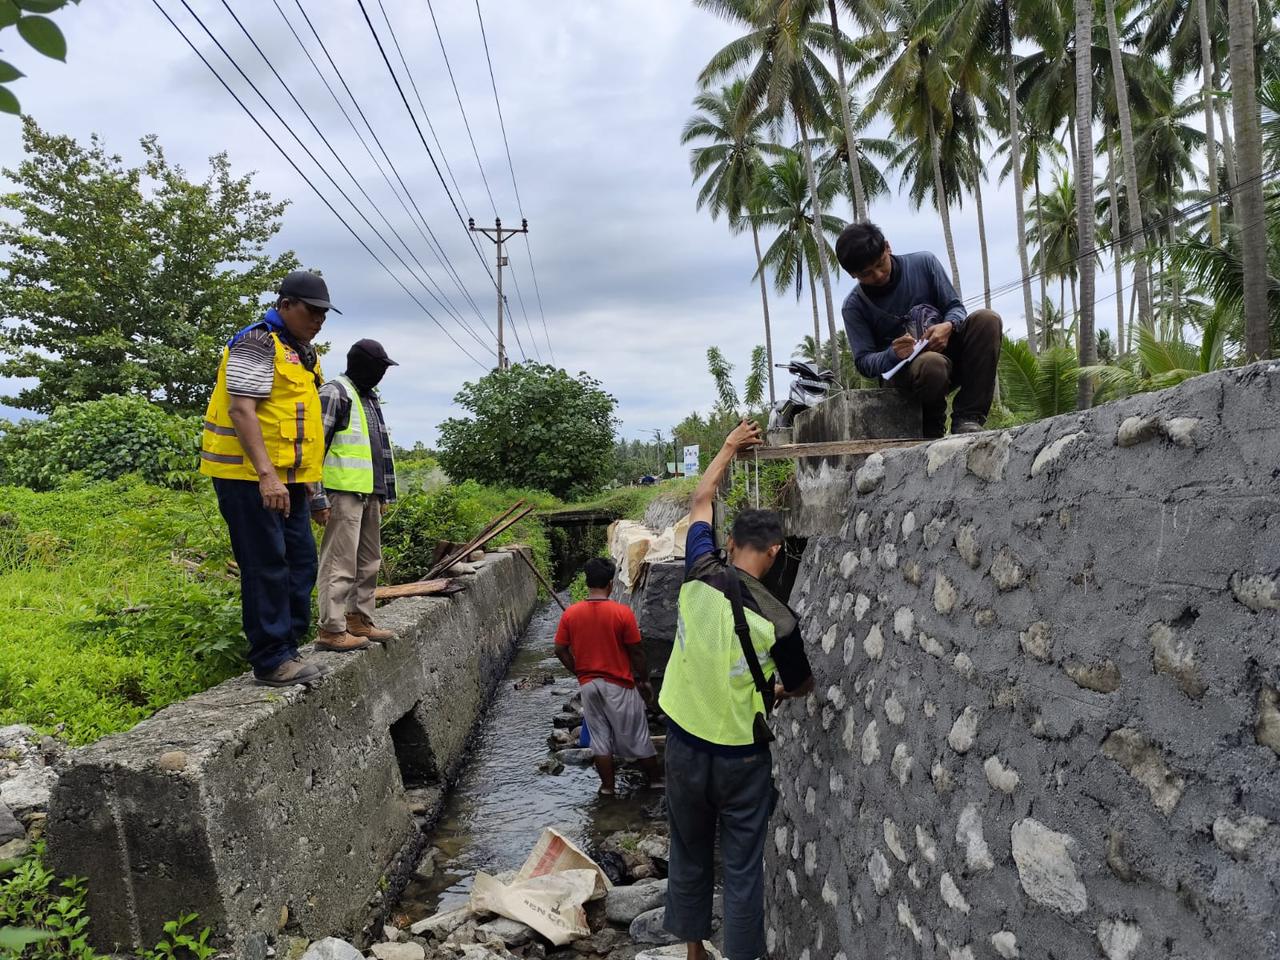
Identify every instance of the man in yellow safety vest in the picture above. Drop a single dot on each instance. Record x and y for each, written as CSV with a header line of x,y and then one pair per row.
x,y
263,447
737,650
359,481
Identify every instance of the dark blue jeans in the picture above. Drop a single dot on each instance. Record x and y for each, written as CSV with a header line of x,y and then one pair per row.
x,y
277,558
736,794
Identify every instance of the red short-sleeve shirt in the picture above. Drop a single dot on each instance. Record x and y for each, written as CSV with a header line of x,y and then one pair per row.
x,y
598,632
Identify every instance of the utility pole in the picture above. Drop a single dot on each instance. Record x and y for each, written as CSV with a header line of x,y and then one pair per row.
x,y
499,234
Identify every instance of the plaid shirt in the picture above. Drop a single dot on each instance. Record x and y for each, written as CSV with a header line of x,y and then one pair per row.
x,y
335,414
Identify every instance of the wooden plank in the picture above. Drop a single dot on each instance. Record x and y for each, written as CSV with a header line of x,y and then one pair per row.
x,y
827,448
422,588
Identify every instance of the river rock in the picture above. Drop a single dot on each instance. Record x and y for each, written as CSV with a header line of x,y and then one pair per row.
x,y
655,846
647,927
551,766
15,849
624,904
441,925
575,756
331,948
29,789
566,721
10,828
399,951
511,932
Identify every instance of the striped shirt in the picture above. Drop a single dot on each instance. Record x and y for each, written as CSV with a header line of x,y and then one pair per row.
x,y
335,414
251,363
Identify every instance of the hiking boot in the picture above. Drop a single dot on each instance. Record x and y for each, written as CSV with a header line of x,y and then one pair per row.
x,y
966,426
359,625
290,673
339,641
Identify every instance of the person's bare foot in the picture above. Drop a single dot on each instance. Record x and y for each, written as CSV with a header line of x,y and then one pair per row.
x,y
698,952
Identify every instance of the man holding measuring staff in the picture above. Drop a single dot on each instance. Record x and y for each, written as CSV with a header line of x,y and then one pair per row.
x,y
907,324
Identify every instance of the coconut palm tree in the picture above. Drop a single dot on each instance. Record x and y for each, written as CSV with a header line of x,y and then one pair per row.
x,y
1054,227
1084,188
1041,150
1192,35
727,163
873,152
783,202
981,34
913,89
1250,204
786,77
1047,85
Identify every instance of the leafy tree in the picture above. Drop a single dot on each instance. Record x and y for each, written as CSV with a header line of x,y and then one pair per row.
x,y
535,426
40,33
123,280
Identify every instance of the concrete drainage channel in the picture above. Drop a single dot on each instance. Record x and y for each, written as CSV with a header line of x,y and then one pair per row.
x,y
274,813
499,807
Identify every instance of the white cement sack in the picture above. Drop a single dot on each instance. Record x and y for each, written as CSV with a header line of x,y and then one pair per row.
x,y
551,904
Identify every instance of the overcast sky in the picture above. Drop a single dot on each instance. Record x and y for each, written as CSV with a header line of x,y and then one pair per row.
x,y
635,282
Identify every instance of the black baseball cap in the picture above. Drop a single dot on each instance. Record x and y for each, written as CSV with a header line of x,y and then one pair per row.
x,y
309,288
373,349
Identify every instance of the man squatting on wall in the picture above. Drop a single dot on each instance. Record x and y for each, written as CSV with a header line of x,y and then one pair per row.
x,y
963,350
718,761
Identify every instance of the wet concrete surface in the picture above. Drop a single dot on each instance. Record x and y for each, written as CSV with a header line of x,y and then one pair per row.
x,y
502,802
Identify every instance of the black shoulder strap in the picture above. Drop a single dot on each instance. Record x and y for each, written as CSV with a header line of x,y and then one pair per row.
x,y
740,627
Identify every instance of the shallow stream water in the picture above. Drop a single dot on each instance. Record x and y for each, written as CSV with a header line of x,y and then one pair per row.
x,y
501,803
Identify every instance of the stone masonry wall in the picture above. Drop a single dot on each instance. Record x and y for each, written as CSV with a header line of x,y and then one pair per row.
x,y
1047,722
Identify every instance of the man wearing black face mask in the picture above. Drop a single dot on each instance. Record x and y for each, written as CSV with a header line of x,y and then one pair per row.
x,y
359,480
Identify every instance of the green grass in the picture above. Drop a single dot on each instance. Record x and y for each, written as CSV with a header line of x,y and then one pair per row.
x,y
113,603
115,598
630,503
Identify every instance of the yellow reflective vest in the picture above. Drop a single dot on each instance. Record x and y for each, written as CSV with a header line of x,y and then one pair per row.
x,y
289,417
708,689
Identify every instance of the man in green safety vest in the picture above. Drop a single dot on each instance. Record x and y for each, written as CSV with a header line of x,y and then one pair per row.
x,y
737,650
359,481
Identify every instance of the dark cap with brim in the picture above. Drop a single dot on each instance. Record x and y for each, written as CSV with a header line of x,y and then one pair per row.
x,y
372,349
309,288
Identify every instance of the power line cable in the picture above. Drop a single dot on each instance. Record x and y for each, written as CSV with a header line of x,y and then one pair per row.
x,y
475,152
355,102
444,303
307,180
511,166
1188,211
466,122
418,96
400,89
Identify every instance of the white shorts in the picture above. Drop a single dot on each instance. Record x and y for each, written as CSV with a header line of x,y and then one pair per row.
x,y
616,719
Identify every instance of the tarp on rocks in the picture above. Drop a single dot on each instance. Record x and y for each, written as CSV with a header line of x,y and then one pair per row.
x,y
549,892
632,545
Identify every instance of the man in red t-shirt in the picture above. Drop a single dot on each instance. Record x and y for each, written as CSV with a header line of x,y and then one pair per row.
x,y
599,641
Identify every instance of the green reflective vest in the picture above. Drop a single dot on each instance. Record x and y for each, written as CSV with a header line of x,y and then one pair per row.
x,y
707,688
348,464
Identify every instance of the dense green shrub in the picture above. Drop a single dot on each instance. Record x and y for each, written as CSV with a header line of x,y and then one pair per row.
x,y
101,439
417,521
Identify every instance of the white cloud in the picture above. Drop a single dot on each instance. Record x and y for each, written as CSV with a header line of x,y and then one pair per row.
x,y
636,283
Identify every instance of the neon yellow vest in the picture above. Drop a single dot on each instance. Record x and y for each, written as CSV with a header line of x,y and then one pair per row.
x,y
290,420
348,465
707,688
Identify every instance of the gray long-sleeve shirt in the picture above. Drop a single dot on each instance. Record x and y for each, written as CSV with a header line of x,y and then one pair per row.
x,y
916,278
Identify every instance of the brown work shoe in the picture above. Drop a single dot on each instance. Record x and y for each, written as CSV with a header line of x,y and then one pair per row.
x,y
339,642
289,673
358,625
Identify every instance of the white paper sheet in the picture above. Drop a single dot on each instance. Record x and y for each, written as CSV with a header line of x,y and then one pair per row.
x,y
915,352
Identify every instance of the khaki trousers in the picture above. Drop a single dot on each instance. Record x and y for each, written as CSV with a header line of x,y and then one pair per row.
x,y
350,556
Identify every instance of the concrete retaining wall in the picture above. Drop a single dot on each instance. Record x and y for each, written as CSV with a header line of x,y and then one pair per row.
x,y
245,802
1047,720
